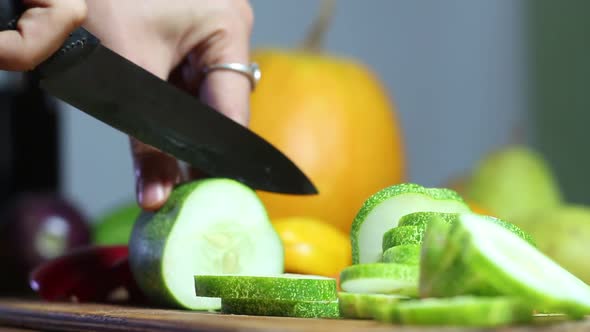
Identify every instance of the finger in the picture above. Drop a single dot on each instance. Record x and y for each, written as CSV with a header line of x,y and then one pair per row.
x,y
40,32
226,91
156,174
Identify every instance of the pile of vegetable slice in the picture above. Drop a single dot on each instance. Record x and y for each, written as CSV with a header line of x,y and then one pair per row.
x,y
441,264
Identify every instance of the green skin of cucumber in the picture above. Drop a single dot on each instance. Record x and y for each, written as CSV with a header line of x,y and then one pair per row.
x,y
264,288
402,235
421,219
458,311
363,306
439,194
298,309
403,254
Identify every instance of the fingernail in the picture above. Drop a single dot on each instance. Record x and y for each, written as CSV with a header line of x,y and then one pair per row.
x,y
151,195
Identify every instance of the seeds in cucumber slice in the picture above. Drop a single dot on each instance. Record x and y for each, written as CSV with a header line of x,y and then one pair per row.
x,y
457,311
402,235
421,219
209,226
287,287
282,308
513,267
380,278
403,254
382,211
363,306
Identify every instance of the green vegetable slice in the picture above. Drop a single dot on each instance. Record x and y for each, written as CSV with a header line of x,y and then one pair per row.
x,y
421,219
403,254
288,287
458,311
271,307
362,306
402,235
380,278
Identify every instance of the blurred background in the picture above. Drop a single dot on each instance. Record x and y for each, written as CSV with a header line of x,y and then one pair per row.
x,y
466,78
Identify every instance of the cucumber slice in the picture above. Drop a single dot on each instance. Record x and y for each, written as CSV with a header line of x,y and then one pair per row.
x,y
421,219
457,311
209,226
363,306
402,235
512,267
403,254
380,278
382,211
299,309
286,287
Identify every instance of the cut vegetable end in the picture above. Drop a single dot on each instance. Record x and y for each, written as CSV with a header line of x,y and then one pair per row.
x,y
382,211
285,287
270,307
516,268
206,227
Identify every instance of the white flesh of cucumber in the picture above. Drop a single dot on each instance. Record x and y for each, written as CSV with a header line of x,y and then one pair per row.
x,y
222,228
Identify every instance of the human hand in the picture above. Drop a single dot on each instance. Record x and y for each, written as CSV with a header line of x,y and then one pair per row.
x,y
40,32
174,40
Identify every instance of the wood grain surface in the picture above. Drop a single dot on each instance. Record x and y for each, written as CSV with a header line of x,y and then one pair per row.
x,y
38,315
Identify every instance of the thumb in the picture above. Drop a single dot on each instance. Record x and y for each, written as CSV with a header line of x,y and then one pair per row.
x,y
40,31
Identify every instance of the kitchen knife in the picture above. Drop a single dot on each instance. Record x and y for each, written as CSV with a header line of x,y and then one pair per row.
x,y
96,80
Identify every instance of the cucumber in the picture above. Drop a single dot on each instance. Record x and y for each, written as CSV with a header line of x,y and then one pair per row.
x,y
493,256
421,219
208,226
363,306
403,254
458,311
382,211
285,287
402,235
380,278
299,309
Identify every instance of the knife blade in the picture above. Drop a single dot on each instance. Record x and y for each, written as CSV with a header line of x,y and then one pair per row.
x,y
96,80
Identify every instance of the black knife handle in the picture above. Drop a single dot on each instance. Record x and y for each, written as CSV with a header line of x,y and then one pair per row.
x,y
78,44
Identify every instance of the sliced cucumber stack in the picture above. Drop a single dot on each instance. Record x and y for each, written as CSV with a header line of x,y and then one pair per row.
x,y
382,211
403,254
380,278
271,307
402,235
457,311
209,226
363,306
285,287
482,250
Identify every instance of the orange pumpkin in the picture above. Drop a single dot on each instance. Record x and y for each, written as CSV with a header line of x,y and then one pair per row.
x,y
335,120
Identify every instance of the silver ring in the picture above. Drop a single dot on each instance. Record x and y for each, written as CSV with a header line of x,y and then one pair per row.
x,y
251,71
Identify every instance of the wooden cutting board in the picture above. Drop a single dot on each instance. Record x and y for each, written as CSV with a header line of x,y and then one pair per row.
x,y
37,315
